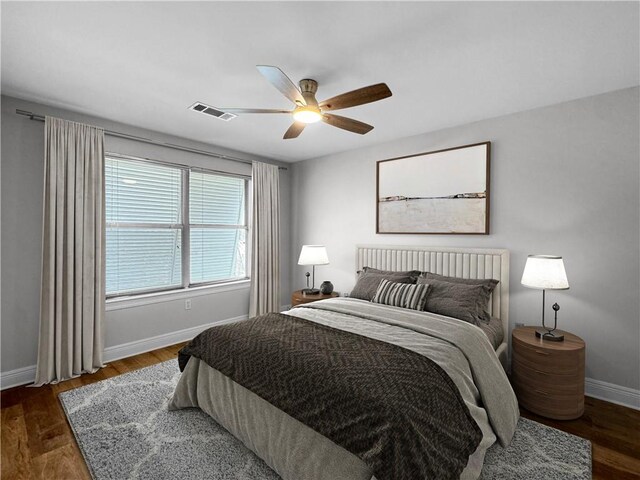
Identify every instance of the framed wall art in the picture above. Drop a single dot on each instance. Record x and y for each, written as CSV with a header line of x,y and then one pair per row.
x,y
441,192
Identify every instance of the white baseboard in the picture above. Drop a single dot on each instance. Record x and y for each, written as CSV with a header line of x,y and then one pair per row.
x,y
160,341
19,376
610,392
25,375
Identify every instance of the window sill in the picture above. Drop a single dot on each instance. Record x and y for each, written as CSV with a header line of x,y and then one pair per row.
x,y
132,301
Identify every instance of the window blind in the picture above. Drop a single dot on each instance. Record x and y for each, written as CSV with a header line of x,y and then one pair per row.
x,y
218,227
146,231
140,192
216,199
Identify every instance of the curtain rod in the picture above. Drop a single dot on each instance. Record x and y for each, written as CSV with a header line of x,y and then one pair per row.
x,y
40,118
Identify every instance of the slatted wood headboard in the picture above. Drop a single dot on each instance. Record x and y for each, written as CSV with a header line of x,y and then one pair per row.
x,y
453,262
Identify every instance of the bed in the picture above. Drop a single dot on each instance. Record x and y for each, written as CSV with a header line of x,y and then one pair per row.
x,y
311,419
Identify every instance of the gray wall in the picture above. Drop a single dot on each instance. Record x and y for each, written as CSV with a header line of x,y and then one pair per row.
x,y
22,181
564,181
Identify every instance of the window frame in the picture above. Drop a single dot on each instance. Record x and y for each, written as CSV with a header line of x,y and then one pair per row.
x,y
185,228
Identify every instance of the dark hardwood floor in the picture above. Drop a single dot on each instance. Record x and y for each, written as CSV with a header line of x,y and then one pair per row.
x,y
37,442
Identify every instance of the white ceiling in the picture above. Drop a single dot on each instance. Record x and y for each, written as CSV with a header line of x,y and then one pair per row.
x,y
446,63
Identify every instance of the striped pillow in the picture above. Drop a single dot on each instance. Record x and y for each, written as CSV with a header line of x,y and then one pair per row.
x,y
403,295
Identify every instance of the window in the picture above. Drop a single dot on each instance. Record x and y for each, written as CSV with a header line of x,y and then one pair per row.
x,y
170,227
218,227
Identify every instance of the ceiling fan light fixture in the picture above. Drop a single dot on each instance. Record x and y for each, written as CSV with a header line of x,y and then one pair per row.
x,y
307,115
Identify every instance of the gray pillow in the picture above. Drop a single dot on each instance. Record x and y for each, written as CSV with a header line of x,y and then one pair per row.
x,y
412,273
456,300
489,282
484,295
368,282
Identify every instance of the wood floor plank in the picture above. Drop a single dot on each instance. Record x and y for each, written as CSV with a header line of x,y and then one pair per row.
x,y
110,371
616,460
94,377
47,428
175,348
121,366
144,359
67,385
164,354
11,396
81,463
16,395
136,362
610,428
61,463
37,441
606,472
16,455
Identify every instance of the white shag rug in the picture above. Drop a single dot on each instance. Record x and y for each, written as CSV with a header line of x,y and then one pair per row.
x,y
125,431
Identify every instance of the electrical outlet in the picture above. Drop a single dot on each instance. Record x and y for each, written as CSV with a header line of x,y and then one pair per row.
x,y
187,304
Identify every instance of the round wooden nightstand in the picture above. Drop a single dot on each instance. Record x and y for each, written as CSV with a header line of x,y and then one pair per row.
x,y
298,298
548,377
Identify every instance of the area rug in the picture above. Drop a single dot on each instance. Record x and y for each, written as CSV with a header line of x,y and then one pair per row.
x,y
125,431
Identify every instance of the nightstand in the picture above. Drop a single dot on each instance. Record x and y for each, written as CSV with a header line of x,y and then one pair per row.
x,y
548,377
298,298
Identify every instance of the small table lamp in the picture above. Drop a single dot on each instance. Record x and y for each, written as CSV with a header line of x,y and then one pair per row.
x,y
313,255
546,272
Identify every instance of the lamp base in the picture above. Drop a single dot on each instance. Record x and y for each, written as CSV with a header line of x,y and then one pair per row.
x,y
310,291
549,335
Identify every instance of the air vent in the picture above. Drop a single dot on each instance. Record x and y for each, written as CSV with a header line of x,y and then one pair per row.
x,y
211,111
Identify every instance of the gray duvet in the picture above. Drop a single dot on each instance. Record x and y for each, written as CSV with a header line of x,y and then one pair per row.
x,y
297,452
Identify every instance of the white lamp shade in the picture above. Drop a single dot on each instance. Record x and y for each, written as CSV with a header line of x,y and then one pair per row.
x,y
313,255
545,272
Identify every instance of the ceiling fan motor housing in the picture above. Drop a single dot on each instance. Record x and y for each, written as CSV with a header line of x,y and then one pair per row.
x,y
309,87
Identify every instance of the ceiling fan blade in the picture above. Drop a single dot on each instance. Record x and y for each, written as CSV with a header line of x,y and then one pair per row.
x,y
369,94
346,123
278,79
294,130
253,110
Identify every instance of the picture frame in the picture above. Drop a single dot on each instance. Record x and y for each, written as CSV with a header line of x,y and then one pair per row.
x,y
442,192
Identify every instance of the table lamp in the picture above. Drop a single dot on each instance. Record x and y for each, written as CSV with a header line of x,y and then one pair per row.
x,y
313,255
546,272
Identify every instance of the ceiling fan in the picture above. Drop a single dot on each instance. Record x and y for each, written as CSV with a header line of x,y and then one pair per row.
x,y
309,110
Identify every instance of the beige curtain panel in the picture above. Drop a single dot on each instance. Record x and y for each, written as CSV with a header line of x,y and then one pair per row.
x,y
73,257
265,240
